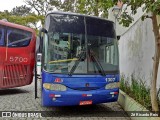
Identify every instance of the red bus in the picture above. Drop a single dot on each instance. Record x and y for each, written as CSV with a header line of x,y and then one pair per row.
x,y
17,55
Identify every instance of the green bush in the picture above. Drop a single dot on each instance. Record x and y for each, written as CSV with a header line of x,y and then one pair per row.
x,y
137,90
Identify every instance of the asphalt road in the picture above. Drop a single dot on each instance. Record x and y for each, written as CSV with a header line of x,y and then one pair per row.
x,y
19,100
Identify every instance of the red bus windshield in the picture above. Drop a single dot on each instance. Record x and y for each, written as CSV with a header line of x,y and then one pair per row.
x,y
17,55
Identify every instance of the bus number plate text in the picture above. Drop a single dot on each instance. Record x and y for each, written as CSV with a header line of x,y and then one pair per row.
x,y
18,59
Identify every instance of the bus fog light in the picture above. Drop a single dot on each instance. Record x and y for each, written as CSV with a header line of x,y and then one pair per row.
x,y
112,85
53,99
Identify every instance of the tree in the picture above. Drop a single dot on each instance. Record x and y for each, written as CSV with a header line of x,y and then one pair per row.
x,y
152,6
22,10
69,5
30,20
90,7
42,7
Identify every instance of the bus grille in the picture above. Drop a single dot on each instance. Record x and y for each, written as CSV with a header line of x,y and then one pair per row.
x,y
14,75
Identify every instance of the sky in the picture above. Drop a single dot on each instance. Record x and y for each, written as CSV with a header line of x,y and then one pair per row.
x,y
9,4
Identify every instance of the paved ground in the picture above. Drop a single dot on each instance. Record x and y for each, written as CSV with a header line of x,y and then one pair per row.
x,y
22,100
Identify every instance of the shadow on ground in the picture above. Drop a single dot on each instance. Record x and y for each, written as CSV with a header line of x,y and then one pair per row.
x,y
12,91
84,111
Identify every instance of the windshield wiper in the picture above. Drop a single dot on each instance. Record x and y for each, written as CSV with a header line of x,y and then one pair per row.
x,y
98,64
81,57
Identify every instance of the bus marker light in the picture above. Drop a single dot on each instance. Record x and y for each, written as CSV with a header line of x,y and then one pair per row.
x,y
57,95
58,80
86,95
89,95
51,95
113,93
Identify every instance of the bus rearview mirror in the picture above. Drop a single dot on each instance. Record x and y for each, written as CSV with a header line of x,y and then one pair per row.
x,y
118,37
43,30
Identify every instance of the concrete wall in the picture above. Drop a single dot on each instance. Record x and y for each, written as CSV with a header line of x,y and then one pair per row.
x,y
136,48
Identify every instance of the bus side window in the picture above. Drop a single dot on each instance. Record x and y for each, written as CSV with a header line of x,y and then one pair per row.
x,y
1,36
18,38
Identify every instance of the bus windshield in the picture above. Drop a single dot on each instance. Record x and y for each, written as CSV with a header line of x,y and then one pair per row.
x,y
80,45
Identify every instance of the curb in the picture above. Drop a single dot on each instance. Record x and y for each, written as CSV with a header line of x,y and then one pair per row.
x,y
130,105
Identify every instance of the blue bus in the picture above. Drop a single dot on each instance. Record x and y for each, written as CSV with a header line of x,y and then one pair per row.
x,y
80,60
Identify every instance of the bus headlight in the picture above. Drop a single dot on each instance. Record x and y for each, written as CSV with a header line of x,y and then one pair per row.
x,y
47,86
112,85
55,87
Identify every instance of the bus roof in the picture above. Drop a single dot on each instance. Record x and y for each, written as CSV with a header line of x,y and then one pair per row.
x,y
9,24
77,14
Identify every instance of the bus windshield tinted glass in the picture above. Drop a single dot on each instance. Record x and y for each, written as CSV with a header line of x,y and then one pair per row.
x,y
81,45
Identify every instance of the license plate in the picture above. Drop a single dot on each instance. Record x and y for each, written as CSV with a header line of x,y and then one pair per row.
x,y
89,102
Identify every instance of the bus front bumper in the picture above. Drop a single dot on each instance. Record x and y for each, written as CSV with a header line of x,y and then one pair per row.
x,y
70,98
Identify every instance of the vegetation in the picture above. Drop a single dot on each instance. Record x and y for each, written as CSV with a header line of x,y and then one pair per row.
x,y
90,7
152,7
137,90
22,15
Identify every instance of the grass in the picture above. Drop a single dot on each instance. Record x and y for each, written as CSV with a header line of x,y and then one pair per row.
x,y
137,90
